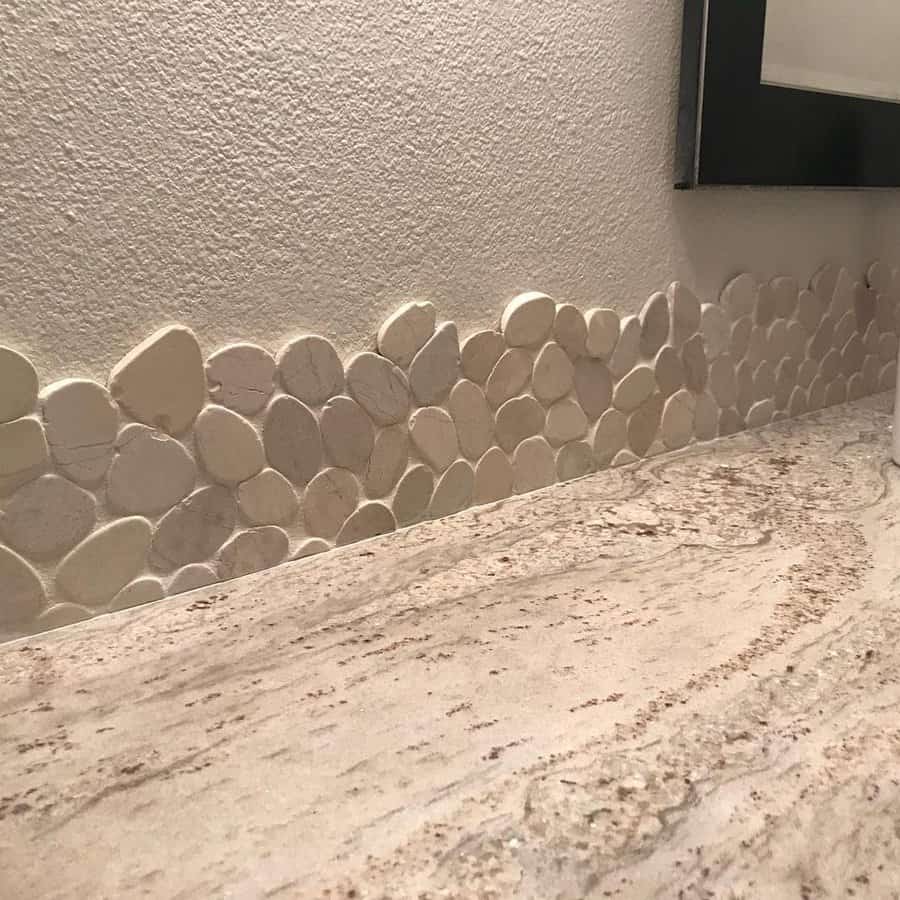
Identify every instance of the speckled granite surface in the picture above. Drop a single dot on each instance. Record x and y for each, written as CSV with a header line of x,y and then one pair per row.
x,y
678,679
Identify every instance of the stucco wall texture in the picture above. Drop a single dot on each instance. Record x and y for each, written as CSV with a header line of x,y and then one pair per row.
x,y
265,168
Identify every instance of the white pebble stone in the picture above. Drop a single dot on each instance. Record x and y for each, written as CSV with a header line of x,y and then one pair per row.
x,y
228,445
473,419
528,319
624,457
434,435
716,330
61,615
534,465
23,453
655,324
311,370
677,425
241,377
292,440
310,547
643,425
370,520
194,529
602,332
189,578
508,377
328,502
18,385
387,462
706,418
761,413
570,330
267,499
610,436
347,434
684,308
479,355
435,368
493,477
627,348
379,387
516,420
566,422
553,373
575,460
405,332
22,596
413,495
634,389
453,491
140,591
738,297
252,551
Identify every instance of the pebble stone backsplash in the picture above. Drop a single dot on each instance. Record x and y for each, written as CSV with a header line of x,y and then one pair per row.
x,y
181,473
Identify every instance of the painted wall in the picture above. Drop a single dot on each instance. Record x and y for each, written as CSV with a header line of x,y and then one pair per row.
x,y
262,169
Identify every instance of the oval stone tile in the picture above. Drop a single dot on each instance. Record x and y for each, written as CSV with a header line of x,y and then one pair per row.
x,y
141,591
888,347
389,457
189,578
627,349
311,370
655,324
528,319
473,419
575,460
871,372
228,445
161,382
241,377
570,330
722,381
370,520
668,370
553,374
831,364
516,420
777,342
677,425
785,381
150,473
885,313
887,380
764,381
61,615
23,453
696,370
435,368
292,441
433,434
786,291
480,353
347,434
807,372
797,404
47,517
684,309
716,330
816,393
643,425
102,564
761,413
853,355
18,385
593,386
493,477
741,332
765,306
706,418
252,551
843,330
610,436
624,458
856,388
634,389
566,422
730,422
379,387
81,423
534,465
809,311
836,392
746,387
311,547
413,495
193,530
508,377
405,332
328,502
22,596
602,332
268,499
454,490
738,297
797,339
864,304
820,343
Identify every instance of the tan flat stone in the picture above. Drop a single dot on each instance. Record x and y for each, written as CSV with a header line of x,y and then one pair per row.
x,y
329,500
61,615
435,368
194,530
777,341
241,377
806,372
888,347
602,332
816,393
730,422
844,329
508,377
722,381
797,339
189,578
413,495
252,551
454,490
836,392
347,434
137,593
310,547
864,304
634,389
741,331
842,298
473,419
738,297
23,453
643,425
610,436
379,387
824,282
534,465
528,319
516,420
684,309
668,370
696,368
766,306
886,313
716,330
292,440
593,386
809,311
761,413
566,422
627,349
625,458
797,405
22,596
570,330
831,364
764,381
493,477
370,520
228,445
268,499
390,454
479,355
677,424
757,347
553,373
785,381
887,379
871,370
574,460
706,418
311,370
853,356
405,332
433,434
856,388
18,385
746,387
786,291
820,342
655,325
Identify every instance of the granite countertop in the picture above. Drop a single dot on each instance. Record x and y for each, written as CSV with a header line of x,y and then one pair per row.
x,y
677,679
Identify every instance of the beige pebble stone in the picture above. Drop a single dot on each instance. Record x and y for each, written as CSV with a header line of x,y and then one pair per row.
x,y
348,434
844,330
573,461
241,377
761,413
228,445
252,551
311,370
722,381
797,339
816,393
267,499
435,368
746,387
610,436
150,473
570,330
806,372
47,517
777,341
879,276
370,520
189,578
22,596
193,530
655,324
473,419
685,312
61,615
140,591
739,296
292,440
706,418
405,332
516,420
696,368
101,565
534,465
757,347
624,458
764,381
627,349
493,477
885,313
81,423
643,424
824,282
856,388
479,355
528,319
161,382
668,370
809,311
387,462
836,392
433,434
871,370
18,385
730,422
566,422
887,347
677,424
786,291
853,356
553,373
797,404
820,343
379,387
509,376
602,332
593,386
740,337
634,389
330,499
413,495
716,330
453,491
786,375
842,298
310,547
23,453
887,380
864,304
766,306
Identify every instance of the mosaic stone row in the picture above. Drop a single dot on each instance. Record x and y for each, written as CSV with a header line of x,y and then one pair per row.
x,y
183,472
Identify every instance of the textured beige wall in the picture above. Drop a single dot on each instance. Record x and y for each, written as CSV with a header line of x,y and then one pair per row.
x,y
261,169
